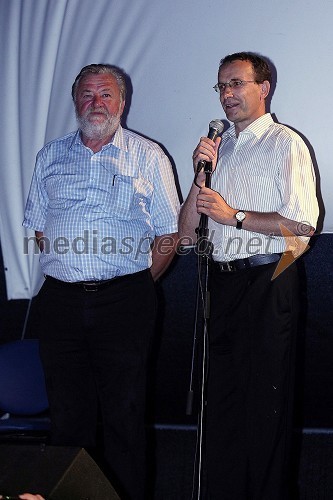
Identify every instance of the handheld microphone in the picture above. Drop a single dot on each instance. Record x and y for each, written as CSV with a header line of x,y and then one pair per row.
x,y
215,128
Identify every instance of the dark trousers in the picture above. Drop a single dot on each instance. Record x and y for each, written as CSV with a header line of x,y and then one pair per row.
x,y
94,347
252,335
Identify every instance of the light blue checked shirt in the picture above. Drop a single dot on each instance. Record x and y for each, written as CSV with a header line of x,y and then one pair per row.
x,y
99,212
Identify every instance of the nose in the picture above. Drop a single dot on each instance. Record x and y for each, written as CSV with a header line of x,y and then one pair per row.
x,y
227,90
97,101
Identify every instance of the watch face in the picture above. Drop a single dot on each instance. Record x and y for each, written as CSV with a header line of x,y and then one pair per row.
x,y
240,216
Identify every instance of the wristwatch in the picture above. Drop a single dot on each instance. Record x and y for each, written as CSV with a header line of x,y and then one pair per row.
x,y
240,216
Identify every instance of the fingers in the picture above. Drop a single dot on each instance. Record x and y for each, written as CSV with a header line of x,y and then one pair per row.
x,y
205,199
205,151
201,205
209,202
29,496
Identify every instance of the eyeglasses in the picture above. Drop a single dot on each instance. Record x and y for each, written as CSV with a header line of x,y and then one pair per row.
x,y
233,84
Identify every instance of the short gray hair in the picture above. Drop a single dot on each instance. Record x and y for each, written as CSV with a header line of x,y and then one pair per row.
x,y
98,69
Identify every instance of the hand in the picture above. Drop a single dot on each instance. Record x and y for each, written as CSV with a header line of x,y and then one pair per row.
x,y
29,496
25,496
211,203
206,150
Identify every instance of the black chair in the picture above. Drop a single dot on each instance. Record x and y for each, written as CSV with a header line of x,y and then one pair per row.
x,y
23,399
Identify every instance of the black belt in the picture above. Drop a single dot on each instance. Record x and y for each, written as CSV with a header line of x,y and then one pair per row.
x,y
92,286
248,263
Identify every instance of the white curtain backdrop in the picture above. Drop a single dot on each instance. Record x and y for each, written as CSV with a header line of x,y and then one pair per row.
x,y
171,51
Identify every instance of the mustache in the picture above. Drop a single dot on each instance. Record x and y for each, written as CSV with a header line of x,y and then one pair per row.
x,y
91,109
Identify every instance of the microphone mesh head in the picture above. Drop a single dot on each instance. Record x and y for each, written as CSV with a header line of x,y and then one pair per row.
x,y
217,125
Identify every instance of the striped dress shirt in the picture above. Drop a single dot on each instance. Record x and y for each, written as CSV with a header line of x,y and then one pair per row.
x,y
99,212
267,168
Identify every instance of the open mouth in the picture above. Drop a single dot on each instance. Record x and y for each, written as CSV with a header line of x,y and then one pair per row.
x,y
230,105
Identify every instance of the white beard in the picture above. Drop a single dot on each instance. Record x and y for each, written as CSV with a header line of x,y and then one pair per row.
x,y
98,131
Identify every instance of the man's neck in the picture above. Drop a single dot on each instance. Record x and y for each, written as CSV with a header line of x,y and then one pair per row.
x,y
96,144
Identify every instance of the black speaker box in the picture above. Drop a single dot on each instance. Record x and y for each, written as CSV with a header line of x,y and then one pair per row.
x,y
55,472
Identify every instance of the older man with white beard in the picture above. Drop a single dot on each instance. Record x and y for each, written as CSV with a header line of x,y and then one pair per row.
x,y
102,203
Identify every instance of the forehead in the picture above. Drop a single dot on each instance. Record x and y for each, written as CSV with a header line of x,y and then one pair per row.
x,y
93,80
241,70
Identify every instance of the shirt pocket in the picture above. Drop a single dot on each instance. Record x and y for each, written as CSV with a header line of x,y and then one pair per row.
x,y
128,197
255,185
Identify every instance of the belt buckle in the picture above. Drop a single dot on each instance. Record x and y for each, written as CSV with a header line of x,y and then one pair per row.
x,y
226,267
230,267
90,287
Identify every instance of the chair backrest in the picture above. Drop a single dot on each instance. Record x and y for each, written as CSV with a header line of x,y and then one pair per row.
x,y
22,382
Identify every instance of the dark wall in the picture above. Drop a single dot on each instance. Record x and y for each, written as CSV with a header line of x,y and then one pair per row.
x,y
316,337
314,388
171,361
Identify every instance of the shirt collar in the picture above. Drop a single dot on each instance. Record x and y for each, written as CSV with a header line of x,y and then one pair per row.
x,y
118,140
258,127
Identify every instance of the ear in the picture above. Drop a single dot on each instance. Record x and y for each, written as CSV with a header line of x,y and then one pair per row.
x,y
265,88
122,106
